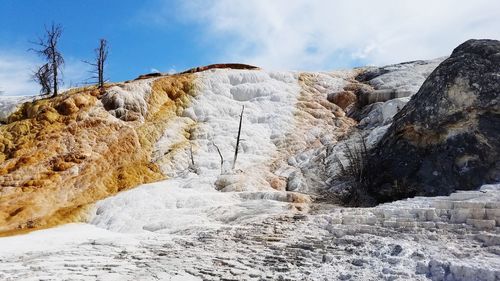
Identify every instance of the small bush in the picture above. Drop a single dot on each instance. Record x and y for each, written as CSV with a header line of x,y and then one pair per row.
x,y
353,175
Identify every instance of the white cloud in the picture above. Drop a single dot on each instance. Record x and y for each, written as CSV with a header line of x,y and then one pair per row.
x,y
15,74
76,73
313,34
16,70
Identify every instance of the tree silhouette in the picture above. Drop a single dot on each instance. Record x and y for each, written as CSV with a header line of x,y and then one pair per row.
x,y
43,76
48,49
101,54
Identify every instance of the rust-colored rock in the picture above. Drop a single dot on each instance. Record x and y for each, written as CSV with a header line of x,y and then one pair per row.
x,y
220,65
67,107
343,99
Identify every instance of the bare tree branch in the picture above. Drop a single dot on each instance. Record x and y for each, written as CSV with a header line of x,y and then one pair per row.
x,y
238,138
43,76
191,155
221,158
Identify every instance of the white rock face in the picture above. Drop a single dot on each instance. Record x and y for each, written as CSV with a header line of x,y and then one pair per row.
x,y
269,100
404,80
208,222
381,113
128,101
405,77
269,123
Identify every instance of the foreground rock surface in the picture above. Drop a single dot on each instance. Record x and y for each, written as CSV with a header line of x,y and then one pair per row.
x,y
453,238
448,136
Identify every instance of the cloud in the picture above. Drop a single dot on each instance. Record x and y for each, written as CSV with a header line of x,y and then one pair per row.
x,y
16,70
76,73
15,74
313,34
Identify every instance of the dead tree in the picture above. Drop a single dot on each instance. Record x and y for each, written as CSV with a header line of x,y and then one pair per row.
x,y
43,76
221,159
238,138
101,55
191,165
191,154
48,49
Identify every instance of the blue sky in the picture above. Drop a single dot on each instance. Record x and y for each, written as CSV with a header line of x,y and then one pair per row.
x,y
136,45
175,35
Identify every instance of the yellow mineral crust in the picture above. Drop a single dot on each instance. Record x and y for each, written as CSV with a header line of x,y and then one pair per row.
x,y
58,155
313,108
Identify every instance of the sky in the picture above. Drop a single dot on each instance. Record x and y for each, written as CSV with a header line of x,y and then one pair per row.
x,y
173,35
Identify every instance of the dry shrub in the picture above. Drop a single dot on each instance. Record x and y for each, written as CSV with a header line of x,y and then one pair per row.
x,y
353,175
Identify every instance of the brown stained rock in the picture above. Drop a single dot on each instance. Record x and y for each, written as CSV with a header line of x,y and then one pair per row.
x,y
220,65
277,183
343,99
82,101
359,89
201,69
48,114
60,166
294,197
67,107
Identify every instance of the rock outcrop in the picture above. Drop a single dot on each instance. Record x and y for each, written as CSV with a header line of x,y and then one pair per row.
x,y
448,135
394,81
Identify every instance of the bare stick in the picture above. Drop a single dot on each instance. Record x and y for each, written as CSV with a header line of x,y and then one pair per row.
x,y
238,138
221,158
191,151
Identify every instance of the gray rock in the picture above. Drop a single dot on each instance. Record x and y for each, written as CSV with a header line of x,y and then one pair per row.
x,y
358,262
394,81
345,276
327,258
447,137
396,250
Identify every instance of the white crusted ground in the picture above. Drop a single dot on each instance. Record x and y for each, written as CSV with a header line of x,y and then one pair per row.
x,y
9,104
244,225
405,77
417,239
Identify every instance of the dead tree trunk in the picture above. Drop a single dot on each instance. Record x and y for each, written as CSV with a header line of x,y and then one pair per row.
x,y
221,158
238,138
49,51
101,53
191,156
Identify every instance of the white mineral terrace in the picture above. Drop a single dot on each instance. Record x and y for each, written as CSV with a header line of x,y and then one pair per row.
x,y
200,225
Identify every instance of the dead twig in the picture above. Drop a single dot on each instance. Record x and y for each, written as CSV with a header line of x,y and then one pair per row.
x,y
221,158
238,138
191,156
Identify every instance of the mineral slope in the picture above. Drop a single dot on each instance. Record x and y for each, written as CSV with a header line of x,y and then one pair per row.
x,y
268,218
57,155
